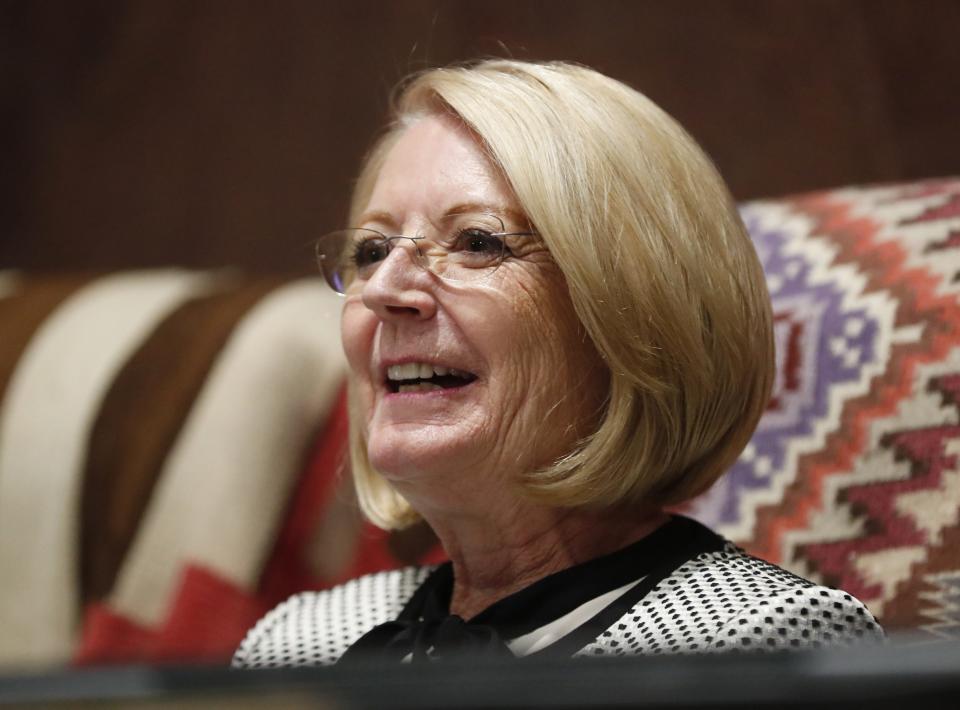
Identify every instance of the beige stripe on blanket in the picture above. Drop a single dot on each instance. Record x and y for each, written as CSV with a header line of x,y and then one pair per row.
x,y
222,492
50,403
140,418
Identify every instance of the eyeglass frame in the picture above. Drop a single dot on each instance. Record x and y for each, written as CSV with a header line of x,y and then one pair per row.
x,y
421,261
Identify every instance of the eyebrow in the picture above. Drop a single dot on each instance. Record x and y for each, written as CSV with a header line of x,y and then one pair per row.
x,y
516,216
378,216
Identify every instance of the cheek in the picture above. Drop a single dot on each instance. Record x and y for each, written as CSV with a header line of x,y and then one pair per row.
x,y
566,380
535,343
357,329
543,323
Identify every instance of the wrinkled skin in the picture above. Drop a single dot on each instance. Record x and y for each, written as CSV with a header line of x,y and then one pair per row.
x,y
540,382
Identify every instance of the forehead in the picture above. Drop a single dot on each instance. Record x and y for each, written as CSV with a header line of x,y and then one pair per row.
x,y
437,164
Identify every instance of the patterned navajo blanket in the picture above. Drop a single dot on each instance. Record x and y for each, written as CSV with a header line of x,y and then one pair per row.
x,y
170,440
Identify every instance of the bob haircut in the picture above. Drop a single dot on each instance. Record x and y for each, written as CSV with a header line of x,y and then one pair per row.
x,y
660,269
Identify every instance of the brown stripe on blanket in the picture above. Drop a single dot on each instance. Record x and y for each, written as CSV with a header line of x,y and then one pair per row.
x,y
24,311
140,419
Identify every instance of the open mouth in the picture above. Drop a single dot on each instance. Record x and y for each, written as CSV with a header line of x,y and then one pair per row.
x,y
421,377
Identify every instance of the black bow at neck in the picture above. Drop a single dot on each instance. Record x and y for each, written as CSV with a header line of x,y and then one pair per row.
x,y
426,630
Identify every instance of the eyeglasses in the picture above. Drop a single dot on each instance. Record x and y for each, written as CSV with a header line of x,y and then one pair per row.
x,y
469,247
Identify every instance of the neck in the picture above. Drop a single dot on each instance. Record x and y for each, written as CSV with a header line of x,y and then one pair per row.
x,y
494,556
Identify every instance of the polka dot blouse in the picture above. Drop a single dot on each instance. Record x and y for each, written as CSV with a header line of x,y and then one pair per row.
x,y
682,589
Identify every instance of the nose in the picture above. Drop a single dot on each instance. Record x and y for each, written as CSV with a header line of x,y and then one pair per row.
x,y
400,289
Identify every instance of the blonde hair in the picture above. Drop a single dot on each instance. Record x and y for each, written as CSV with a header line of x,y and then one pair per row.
x,y
660,269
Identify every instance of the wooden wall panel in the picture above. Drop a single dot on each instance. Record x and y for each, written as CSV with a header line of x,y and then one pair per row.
x,y
142,133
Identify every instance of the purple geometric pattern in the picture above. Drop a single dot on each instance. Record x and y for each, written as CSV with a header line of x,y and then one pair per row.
x,y
824,339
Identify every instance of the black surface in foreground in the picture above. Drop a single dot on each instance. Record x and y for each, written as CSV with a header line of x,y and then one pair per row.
x,y
875,677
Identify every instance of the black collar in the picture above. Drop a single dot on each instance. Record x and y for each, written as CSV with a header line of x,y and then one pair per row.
x,y
652,558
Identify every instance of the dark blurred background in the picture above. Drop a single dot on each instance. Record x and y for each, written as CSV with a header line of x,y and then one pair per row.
x,y
201,133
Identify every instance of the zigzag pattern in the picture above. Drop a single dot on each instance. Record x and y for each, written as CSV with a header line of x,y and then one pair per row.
x,y
887,526
865,491
943,605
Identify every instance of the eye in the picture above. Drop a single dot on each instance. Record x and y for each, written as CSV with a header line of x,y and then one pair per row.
x,y
370,251
479,242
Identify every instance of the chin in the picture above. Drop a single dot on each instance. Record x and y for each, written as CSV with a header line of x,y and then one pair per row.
x,y
402,456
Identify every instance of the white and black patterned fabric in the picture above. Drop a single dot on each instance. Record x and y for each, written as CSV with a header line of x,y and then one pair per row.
x,y
682,589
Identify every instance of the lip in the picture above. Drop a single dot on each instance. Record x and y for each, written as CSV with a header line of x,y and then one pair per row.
x,y
437,394
386,364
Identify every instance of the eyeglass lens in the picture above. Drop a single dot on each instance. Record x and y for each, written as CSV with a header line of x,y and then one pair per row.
x,y
467,247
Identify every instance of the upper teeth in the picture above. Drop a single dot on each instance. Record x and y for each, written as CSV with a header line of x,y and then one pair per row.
x,y
420,370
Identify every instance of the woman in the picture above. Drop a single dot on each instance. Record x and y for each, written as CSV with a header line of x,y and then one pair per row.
x,y
556,326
